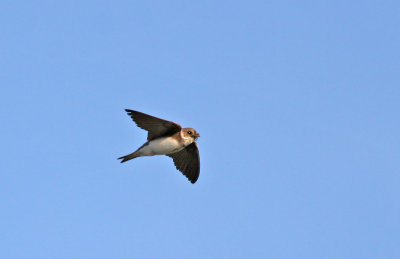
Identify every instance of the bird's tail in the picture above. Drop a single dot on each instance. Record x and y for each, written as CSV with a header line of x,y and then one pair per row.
x,y
129,157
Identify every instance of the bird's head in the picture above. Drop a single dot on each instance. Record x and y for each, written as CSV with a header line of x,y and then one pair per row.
x,y
191,133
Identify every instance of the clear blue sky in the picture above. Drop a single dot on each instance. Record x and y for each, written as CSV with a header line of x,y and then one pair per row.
x,y
297,104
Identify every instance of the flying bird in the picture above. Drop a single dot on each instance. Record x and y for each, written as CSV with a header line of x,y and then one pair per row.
x,y
168,138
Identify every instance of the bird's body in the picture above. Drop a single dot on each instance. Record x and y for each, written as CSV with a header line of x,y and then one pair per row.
x,y
168,138
161,146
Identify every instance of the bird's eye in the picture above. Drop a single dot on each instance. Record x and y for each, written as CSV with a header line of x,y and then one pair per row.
x,y
189,132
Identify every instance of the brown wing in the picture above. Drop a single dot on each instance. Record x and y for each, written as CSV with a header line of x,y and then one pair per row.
x,y
188,161
156,127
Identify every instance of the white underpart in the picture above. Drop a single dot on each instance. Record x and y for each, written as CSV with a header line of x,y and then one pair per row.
x,y
161,146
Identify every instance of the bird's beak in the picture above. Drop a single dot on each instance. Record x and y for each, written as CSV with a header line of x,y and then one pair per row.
x,y
197,135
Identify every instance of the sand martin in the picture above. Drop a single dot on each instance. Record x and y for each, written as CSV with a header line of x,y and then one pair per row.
x,y
168,138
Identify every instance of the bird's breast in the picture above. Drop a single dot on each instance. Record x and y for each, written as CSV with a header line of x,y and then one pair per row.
x,y
167,145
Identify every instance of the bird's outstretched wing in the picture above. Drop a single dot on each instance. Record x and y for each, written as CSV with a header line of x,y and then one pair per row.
x,y
156,127
188,162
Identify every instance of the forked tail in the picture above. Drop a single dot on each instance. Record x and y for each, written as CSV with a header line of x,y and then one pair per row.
x,y
128,157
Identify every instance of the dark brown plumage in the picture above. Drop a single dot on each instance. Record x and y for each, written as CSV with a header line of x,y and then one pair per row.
x,y
188,162
180,144
156,127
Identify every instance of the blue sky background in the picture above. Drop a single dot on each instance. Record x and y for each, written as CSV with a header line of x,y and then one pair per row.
x,y
297,103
